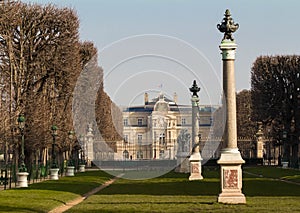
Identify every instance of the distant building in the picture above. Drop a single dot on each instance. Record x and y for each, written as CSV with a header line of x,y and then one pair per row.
x,y
151,131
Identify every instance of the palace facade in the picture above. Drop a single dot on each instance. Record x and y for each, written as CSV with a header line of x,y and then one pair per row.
x,y
152,130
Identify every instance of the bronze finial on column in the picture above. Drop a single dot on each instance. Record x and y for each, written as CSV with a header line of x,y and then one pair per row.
x,y
227,26
195,89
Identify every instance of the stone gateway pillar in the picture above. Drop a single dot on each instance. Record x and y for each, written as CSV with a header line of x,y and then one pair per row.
x,y
230,160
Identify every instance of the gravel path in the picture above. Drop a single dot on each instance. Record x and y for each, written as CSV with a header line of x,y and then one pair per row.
x,y
72,203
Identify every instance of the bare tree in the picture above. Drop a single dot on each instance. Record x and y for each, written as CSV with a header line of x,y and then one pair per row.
x,y
275,89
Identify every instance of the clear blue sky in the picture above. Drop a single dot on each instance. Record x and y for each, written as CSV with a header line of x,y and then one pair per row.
x,y
268,27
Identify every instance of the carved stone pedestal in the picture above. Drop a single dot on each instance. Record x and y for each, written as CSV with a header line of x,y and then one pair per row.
x,y
231,177
22,179
195,166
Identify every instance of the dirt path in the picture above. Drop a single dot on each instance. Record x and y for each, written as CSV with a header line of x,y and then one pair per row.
x,y
72,203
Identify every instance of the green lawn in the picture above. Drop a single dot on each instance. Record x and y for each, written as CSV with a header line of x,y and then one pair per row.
x,y
174,193
44,196
273,172
170,193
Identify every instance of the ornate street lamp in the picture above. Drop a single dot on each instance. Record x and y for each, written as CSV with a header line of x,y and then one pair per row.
x,y
22,174
269,157
82,161
54,168
81,143
70,166
285,160
71,136
54,134
21,122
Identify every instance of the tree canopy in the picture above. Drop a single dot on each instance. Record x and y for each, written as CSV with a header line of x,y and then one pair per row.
x,y
275,82
41,58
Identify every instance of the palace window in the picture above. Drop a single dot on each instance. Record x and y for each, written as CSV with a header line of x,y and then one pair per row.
x,y
161,154
139,155
183,121
140,139
140,121
125,121
125,154
162,139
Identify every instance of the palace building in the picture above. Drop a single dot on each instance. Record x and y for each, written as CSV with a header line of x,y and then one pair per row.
x,y
152,130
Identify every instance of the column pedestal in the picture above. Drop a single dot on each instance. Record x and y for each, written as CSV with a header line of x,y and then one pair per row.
x,y
195,166
231,177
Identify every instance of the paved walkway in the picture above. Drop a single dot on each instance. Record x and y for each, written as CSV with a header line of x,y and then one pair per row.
x,y
72,203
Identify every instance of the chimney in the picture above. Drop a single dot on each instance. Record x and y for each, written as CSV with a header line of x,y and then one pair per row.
x,y
175,97
146,98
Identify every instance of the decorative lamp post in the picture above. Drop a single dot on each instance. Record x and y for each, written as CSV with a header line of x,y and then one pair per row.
x,y
22,175
54,168
89,146
259,141
230,160
82,160
71,136
70,166
21,122
285,161
195,158
269,157
82,157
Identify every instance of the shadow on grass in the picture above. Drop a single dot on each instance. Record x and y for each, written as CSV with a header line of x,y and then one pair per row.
x,y
169,184
178,184
163,188
269,187
17,209
79,184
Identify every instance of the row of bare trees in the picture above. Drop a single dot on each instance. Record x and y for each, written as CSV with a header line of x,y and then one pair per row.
x,y
41,58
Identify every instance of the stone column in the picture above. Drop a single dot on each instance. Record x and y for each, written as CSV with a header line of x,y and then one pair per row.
x,y
195,158
230,160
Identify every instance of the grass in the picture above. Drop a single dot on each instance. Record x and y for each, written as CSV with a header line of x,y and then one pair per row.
x,y
171,192
44,196
174,193
175,203
273,172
